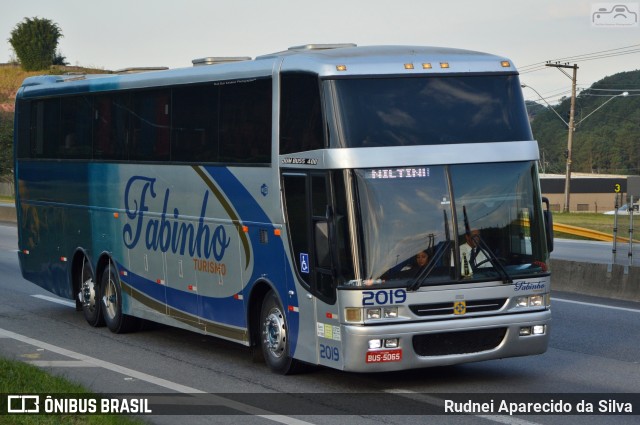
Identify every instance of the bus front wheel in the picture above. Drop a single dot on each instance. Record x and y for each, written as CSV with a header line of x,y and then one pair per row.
x,y
275,337
116,321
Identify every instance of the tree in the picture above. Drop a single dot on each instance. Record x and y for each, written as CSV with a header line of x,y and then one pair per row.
x,y
35,41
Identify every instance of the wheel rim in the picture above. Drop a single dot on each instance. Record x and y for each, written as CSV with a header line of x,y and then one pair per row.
x,y
88,289
110,299
275,333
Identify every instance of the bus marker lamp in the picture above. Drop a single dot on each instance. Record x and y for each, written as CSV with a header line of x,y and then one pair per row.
x,y
408,66
116,215
341,67
444,65
426,66
505,64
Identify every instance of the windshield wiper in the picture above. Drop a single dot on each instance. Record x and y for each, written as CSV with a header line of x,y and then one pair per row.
x,y
480,243
415,284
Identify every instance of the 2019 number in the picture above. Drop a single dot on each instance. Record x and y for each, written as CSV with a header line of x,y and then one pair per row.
x,y
388,296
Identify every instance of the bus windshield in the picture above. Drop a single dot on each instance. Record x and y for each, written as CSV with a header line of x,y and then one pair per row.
x,y
430,110
472,222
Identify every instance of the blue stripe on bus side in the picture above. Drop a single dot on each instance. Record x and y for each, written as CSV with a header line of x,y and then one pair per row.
x,y
268,258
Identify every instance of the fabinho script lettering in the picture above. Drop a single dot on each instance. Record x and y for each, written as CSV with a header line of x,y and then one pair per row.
x,y
168,233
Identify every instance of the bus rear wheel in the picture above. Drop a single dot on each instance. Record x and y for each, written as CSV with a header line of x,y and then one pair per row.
x,y
116,321
275,337
89,296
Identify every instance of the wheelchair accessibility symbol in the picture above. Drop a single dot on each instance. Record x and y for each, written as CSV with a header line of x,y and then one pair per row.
x,y
304,263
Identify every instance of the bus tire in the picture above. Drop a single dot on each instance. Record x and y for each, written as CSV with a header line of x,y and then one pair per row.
x,y
274,336
111,301
90,294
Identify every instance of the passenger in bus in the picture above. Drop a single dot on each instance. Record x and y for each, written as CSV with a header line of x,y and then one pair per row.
x,y
416,265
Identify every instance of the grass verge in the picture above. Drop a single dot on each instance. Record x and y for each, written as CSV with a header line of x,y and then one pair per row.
x,y
21,378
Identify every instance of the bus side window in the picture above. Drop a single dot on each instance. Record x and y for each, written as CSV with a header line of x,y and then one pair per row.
x,y
151,125
194,135
245,122
301,125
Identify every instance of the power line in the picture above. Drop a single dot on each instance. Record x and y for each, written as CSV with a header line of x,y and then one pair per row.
x,y
602,54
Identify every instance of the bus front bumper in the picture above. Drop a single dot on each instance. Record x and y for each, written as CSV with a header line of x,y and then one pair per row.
x,y
446,342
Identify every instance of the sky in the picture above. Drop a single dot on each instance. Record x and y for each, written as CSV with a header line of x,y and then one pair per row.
x,y
118,34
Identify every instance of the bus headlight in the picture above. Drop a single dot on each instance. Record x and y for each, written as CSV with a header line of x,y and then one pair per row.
x,y
373,313
541,300
390,312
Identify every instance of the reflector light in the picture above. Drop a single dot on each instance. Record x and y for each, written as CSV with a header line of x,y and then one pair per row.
x,y
245,229
63,259
116,215
276,232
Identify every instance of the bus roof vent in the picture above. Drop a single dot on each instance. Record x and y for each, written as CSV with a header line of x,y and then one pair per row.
x,y
135,70
218,60
322,46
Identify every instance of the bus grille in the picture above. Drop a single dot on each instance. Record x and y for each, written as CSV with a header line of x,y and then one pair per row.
x,y
461,342
473,306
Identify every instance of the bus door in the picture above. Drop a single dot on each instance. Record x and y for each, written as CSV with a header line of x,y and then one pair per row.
x,y
310,222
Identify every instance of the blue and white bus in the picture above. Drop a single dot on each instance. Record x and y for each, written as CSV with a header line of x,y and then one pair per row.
x,y
281,202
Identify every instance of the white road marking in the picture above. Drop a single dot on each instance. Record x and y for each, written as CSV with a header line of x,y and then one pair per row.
x,y
632,310
92,361
59,363
56,300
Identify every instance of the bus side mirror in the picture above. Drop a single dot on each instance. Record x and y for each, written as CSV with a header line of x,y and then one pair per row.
x,y
548,224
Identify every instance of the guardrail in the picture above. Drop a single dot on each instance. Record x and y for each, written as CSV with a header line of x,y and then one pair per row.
x,y
586,233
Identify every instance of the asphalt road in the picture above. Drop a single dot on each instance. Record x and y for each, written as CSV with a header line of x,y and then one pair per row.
x,y
594,349
596,252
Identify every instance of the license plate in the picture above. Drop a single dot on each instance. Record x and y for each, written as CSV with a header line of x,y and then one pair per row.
x,y
384,356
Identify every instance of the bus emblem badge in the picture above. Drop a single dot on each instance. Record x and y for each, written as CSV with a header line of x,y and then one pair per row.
x,y
459,308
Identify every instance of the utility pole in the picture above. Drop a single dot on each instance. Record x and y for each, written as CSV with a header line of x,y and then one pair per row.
x,y
572,111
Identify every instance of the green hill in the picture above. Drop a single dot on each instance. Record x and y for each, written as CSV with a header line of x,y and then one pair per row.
x,y
607,142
